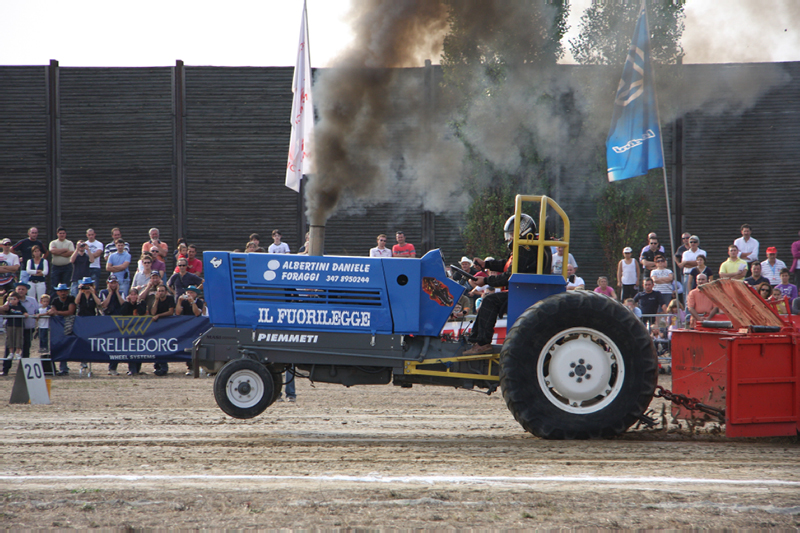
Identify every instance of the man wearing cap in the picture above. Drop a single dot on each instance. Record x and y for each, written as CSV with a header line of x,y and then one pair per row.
x,y
182,279
148,292
80,266
748,247
381,250
771,268
112,297
628,274
163,306
23,249
111,304
87,301
60,265
190,305
467,266
31,307
9,266
62,305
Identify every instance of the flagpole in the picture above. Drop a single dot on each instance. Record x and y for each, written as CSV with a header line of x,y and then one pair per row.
x,y
664,168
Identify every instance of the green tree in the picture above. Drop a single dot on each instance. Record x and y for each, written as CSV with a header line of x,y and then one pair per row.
x,y
624,212
492,48
606,29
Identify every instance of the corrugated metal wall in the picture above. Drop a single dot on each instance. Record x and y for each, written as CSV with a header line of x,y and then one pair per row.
x,y
23,151
119,144
744,167
116,153
237,138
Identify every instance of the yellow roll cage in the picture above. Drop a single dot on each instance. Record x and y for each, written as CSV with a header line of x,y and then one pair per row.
x,y
539,241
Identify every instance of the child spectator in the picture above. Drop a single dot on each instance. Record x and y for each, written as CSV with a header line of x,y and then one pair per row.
x,y
278,247
604,289
44,323
786,288
630,303
14,324
778,299
488,290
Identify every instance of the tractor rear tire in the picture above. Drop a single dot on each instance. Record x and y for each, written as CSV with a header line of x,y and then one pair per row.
x,y
244,388
578,365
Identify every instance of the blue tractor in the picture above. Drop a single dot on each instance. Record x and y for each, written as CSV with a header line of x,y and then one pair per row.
x,y
574,365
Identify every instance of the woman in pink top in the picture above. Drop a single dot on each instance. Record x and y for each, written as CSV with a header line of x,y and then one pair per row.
x,y
604,289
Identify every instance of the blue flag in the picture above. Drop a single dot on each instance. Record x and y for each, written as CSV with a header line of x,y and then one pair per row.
x,y
634,141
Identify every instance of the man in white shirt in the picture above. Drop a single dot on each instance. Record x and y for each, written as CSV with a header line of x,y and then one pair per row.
x,y
381,250
574,282
662,278
748,247
771,268
558,260
9,266
277,247
689,258
95,251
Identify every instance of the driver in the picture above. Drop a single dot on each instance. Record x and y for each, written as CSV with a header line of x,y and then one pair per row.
x,y
496,304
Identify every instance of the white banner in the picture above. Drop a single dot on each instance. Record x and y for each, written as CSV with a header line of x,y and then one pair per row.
x,y
299,162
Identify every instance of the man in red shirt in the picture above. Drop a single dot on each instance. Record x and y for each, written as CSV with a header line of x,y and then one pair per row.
x,y
403,248
195,265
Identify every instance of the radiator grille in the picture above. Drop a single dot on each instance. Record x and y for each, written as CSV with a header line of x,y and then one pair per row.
x,y
244,291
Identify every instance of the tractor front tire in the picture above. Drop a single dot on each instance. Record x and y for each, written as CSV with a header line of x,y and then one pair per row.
x,y
578,365
244,388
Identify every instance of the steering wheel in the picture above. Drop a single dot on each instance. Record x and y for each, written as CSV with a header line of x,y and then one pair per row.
x,y
464,273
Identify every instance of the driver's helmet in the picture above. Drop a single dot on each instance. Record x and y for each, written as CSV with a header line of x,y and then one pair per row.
x,y
526,227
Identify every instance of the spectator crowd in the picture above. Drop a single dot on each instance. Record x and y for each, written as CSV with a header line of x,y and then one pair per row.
x,y
38,281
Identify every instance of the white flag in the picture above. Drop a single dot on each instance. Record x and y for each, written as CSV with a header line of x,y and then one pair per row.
x,y
299,162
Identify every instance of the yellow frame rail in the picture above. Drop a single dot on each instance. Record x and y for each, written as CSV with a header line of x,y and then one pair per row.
x,y
412,367
540,242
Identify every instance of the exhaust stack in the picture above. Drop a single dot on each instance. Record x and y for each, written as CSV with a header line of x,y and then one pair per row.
x,y
316,240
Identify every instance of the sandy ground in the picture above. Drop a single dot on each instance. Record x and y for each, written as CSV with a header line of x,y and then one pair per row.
x,y
151,452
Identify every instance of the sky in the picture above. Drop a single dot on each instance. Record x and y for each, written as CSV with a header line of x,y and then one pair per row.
x,y
94,33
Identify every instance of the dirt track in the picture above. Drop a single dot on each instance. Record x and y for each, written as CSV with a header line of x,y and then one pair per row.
x,y
157,452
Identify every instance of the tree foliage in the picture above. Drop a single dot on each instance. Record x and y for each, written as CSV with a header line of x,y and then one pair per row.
x,y
491,42
606,29
624,214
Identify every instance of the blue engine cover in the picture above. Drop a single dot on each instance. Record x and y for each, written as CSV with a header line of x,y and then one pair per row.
x,y
308,293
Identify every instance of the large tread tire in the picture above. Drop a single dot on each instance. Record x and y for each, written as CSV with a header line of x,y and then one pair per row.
x,y
244,388
533,348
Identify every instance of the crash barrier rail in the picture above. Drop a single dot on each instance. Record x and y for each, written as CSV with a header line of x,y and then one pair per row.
x,y
125,339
